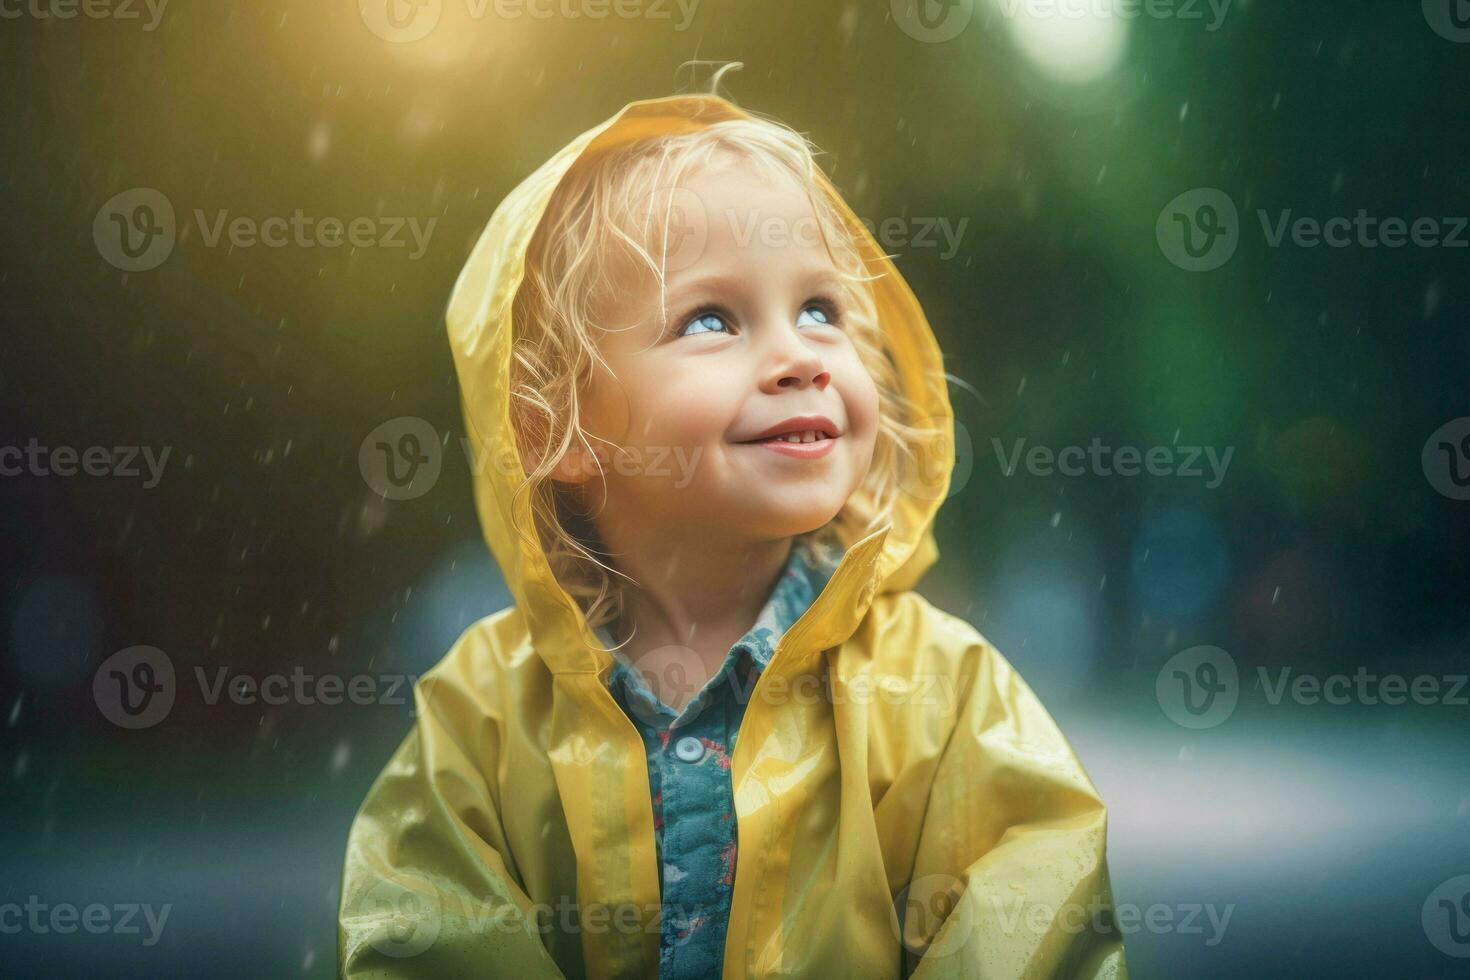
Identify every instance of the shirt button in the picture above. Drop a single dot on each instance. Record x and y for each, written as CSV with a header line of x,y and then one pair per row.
x,y
689,749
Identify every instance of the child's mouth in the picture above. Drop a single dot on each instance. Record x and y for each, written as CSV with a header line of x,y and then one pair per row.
x,y
808,444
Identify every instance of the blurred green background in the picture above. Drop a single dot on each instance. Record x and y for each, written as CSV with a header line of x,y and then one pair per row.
x,y
1052,140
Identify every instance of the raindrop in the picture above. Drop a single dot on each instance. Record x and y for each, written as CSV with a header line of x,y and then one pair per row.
x,y
1431,298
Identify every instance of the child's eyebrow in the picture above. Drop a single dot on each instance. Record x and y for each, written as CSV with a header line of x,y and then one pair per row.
x,y
812,277
712,283
823,277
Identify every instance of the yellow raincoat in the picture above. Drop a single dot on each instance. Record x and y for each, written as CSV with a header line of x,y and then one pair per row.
x,y
903,801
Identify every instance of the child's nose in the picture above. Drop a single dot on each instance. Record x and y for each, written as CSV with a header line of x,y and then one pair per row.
x,y
794,364
818,380
791,362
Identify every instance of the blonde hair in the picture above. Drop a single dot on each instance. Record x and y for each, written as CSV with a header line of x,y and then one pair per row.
x,y
619,205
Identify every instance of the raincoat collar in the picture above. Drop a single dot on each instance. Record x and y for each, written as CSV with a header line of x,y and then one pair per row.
x,y
479,322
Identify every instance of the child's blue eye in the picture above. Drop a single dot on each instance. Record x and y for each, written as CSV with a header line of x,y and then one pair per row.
x,y
813,310
821,313
704,323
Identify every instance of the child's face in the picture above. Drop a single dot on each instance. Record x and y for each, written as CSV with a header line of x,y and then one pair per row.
x,y
756,346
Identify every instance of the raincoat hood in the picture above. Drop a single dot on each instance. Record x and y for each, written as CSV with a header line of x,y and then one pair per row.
x,y
479,319
904,805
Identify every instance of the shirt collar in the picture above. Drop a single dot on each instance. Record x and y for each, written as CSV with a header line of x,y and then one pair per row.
x,y
806,572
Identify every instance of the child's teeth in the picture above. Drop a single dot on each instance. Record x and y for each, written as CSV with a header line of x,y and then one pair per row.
x,y
809,435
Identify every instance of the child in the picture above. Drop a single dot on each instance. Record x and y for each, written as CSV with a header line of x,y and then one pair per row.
x,y
717,734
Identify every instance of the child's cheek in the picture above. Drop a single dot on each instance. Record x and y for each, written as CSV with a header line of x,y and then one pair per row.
x,y
687,412
608,412
861,399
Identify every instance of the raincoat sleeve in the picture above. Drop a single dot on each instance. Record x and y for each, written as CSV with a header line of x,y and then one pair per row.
x,y
1010,878
426,887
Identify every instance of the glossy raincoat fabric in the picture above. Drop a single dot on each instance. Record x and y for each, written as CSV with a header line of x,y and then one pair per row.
x,y
903,801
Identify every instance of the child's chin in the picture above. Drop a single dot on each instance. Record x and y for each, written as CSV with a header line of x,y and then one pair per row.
x,y
789,521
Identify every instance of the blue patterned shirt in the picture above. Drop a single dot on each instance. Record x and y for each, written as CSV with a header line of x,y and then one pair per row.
x,y
689,774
